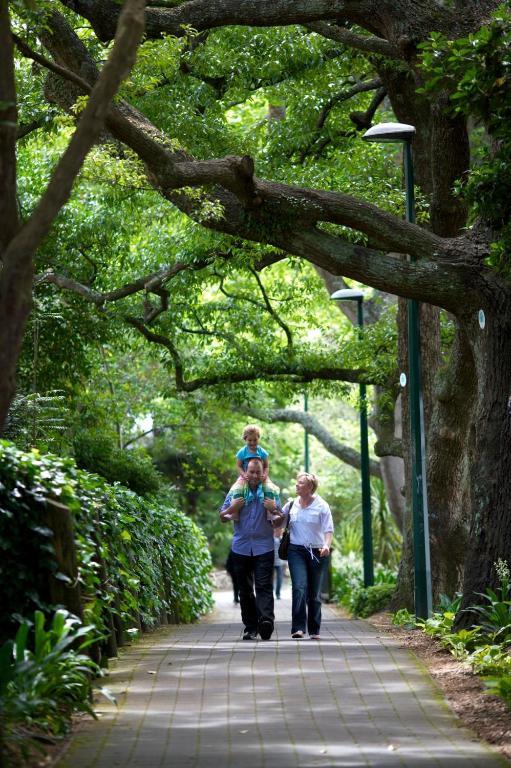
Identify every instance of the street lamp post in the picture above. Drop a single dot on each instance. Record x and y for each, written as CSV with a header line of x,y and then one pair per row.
x,y
400,132
306,456
351,294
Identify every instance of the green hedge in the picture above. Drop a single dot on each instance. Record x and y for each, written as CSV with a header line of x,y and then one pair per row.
x,y
348,585
139,559
369,600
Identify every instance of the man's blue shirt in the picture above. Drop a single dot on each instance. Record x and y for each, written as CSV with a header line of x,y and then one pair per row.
x,y
253,533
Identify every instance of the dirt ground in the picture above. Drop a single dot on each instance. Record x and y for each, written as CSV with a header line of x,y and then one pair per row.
x,y
483,713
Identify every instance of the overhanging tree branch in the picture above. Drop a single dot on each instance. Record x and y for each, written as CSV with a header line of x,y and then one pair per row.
x,y
119,62
278,371
314,427
151,283
271,311
18,245
369,44
414,16
345,95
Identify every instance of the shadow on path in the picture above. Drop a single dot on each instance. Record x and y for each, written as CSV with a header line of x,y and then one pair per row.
x,y
197,696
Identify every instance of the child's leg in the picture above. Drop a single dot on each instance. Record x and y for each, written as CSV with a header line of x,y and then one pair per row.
x,y
238,491
270,491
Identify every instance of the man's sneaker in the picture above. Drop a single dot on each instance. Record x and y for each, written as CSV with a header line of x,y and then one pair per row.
x,y
265,629
248,634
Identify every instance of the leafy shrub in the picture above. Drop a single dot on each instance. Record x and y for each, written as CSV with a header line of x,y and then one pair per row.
x,y
403,618
438,624
500,686
460,643
490,660
450,604
347,576
348,585
137,558
370,600
37,418
494,618
96,452
45,677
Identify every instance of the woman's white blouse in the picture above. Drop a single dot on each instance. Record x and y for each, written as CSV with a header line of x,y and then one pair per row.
x,y
308,525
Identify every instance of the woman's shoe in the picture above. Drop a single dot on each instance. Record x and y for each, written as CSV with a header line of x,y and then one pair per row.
x,y
297,635
315,637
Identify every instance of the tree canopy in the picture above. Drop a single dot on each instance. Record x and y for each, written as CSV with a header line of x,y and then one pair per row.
x,y
230,161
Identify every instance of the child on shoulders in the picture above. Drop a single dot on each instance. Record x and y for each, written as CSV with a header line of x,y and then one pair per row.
x,y
252,450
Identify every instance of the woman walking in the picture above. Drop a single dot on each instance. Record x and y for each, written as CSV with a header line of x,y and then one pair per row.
x,y
311,529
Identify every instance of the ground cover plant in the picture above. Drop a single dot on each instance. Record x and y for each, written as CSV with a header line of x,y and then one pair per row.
x,y
45,677
485,646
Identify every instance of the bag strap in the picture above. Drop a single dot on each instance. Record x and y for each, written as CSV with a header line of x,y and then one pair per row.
x,y
288,524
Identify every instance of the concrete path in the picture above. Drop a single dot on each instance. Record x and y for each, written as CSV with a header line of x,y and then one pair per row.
x,y
199,697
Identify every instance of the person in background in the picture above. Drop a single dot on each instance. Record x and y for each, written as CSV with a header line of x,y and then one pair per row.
x,y
229,567
311,530
278,564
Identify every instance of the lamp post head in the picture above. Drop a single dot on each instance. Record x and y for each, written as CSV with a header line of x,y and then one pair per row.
x,y
348,294
389,132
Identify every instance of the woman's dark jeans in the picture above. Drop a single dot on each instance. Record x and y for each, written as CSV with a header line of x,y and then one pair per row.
x,y
306,568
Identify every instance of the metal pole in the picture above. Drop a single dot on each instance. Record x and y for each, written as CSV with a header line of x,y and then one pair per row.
x,y
423,599
306,460
367,534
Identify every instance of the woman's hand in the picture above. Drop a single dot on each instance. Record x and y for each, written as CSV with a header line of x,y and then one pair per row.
x,y
324,551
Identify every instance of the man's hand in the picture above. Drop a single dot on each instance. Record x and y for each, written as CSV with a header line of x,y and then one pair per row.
x,y
324,551
237,504
269,505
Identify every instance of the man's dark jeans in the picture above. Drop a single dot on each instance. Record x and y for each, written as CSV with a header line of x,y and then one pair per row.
x,y
306,569
255,571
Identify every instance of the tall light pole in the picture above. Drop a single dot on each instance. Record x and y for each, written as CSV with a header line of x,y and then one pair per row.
x,y
306,455
351,294
402,133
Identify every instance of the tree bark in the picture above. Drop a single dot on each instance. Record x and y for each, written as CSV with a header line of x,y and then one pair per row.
x,y
490,441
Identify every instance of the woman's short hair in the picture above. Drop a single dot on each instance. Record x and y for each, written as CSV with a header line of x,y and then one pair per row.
x,y
251,429
313,480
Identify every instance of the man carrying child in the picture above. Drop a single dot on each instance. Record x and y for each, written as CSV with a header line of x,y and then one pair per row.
x,y
254,511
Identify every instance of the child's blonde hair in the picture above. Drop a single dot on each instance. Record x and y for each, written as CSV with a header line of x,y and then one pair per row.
x,y
251,429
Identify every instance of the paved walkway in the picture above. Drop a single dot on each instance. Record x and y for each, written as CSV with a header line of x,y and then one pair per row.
x,y
199,697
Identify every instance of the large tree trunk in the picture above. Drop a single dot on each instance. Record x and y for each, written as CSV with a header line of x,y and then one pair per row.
x,y
490,443
449,467
441,155
15,302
